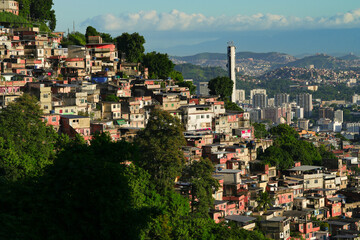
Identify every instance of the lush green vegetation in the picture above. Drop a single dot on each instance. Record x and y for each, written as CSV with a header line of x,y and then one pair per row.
x,y
132,45
94,192
288,148
91,31
38,11
260,130
26,144
221,86
198,73
319,61
15,20
159,65
75,38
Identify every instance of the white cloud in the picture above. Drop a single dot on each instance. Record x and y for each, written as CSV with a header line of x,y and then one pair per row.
x,y
181,21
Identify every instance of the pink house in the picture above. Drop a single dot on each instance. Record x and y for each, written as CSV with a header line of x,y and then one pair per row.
x,y
52,120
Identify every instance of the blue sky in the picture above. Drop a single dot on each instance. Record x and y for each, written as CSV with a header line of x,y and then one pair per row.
x,y
167,24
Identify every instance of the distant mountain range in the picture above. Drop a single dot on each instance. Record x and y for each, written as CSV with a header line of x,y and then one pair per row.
x,y
319,61
201,58
270,60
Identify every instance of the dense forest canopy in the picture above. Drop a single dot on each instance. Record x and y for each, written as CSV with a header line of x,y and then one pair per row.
x,y
38,11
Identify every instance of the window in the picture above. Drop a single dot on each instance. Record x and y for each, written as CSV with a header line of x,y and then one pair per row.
x,y
46,107
53,119
207,116
289,197
202,116
316,181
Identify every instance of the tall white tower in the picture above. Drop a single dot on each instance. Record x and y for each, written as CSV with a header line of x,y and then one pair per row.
x,y
231,68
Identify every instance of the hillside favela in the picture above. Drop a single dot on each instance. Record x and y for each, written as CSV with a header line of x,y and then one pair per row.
x,y
124,120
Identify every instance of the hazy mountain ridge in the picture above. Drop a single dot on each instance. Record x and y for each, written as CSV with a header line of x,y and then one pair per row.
x,y
204,58
319,61
257,64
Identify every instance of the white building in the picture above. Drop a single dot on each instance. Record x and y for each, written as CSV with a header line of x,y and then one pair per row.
x,y
198,117
231,68
335,126
240,95
299,112
338,116
356,99
257,91
353,127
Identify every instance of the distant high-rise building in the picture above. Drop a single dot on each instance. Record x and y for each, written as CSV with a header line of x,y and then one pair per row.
x,y
281,98
303,124
304,100
326,112
356,99
231,68
256,115
271,102
273,114
338,116
299,112
259,101
203,89
255,91
240,95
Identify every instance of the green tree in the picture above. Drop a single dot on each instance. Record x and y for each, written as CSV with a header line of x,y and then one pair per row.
x,y
42,10
179,80
229,105
160,66
24,8
91,31
202,185
176,76
264,201
26,143
221,86
288,148
75,38
107,38
132,45
161,143
260,130
112,98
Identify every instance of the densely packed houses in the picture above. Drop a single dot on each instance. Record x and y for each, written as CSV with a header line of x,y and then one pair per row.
x,y
82,90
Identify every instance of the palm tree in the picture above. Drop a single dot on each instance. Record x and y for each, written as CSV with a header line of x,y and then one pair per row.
x,y
264,201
